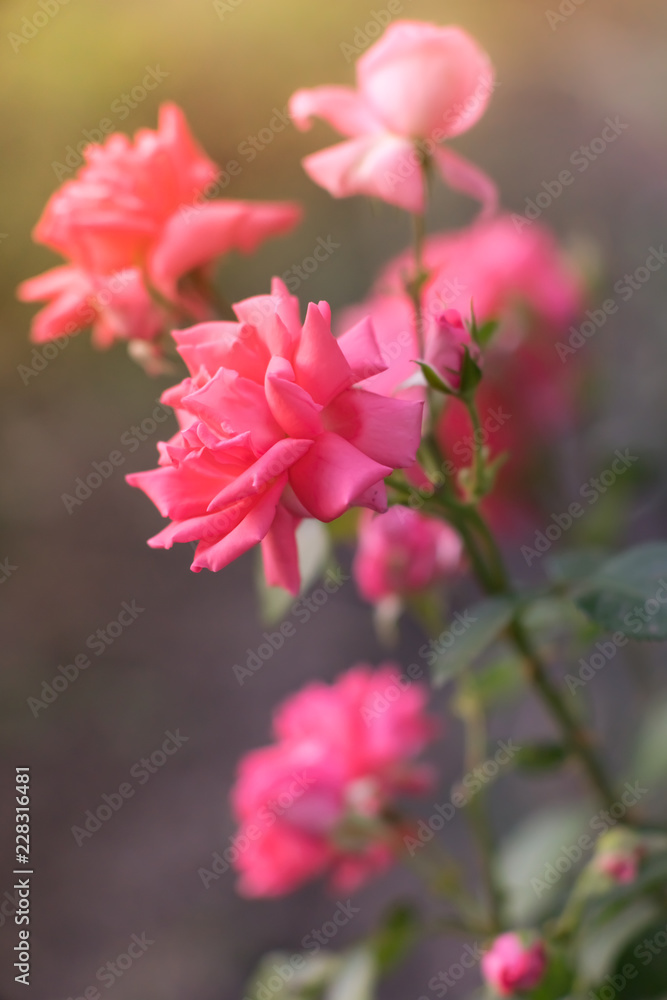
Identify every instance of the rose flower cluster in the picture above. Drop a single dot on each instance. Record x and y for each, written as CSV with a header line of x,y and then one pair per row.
x,y
282,418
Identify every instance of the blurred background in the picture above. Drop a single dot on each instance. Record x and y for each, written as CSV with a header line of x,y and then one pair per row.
x,y
230,66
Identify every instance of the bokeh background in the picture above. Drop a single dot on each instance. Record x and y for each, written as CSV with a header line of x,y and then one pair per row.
x,y
229,68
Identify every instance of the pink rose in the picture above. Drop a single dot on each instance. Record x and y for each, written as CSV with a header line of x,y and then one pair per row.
x,y
136,208
622,866
512,966
527,397
447,341
403,552
277,426
312,803
516,276
117,306
417,85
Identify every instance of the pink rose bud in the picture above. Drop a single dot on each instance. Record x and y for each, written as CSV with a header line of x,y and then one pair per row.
x,y
312,803
417,85
135,211
622,866
277,425
446,343
513,966
403,552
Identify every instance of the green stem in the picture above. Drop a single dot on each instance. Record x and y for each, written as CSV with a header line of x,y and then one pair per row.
x,y
476,810
489,567
479,453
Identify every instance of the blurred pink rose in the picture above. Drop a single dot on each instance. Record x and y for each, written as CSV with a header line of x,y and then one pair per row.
x,y
519,277
622,866
527,397
117,306
312,803
135,208
446,343
277,426
403,552
511,966
416,86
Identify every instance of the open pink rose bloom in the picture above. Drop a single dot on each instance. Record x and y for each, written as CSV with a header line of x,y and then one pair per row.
x,y
131,223
277,425
417,86
312,803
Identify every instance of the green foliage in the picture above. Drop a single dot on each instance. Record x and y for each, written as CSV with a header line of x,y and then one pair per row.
x,y
538,757
650,762
628,593
494,683
533,844
396,936
434,380
487,620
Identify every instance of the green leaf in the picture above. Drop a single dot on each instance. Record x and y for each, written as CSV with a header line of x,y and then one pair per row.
x,y
651,754
574,565
485,332
557,981
396,936
647,955
496,683
484,622
541,756
309,975
525,854
598,945
471,374
628,593
433,379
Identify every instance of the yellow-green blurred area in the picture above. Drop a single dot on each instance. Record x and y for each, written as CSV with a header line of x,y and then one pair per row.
x,y
563,68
